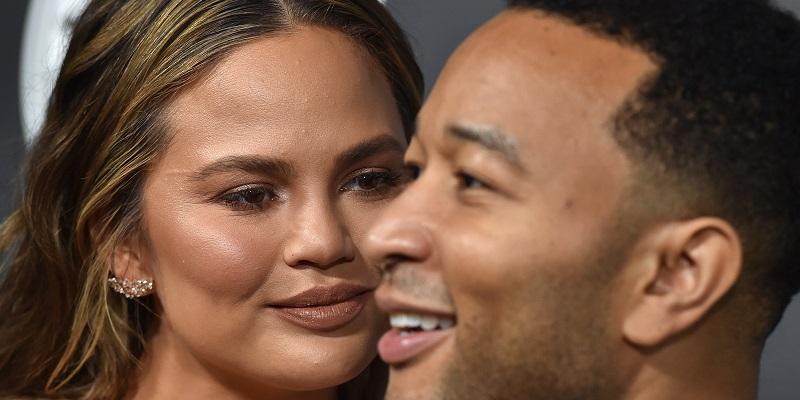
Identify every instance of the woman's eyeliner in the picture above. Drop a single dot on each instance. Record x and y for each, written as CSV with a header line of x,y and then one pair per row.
x,y
248,198
371,183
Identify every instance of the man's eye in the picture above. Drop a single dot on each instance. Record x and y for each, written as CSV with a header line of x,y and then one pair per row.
x,y
248,198
374,181
468,181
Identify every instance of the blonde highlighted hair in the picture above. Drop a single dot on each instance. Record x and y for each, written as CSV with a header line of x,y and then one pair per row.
x,y
63,334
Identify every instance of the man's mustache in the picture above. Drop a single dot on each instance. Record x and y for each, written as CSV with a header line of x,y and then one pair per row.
x,y
418,283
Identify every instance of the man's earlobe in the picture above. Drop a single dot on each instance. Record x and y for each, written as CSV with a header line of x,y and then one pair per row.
x,y
679,273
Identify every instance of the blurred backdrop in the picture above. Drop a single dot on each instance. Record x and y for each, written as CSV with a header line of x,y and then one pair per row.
x,y
435,28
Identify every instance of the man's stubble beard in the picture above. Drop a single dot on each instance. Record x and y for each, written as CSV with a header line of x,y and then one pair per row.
x,y
562,359
560,350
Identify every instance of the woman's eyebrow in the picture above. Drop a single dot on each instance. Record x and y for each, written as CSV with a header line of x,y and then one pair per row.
x,y
245,163
369,147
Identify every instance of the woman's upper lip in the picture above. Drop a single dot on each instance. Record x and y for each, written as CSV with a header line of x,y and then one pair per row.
x,y
322,296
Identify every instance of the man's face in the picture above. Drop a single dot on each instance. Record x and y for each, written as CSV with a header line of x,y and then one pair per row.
x,y
500,257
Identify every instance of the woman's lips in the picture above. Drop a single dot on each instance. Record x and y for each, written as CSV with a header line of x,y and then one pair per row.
x,y
324,308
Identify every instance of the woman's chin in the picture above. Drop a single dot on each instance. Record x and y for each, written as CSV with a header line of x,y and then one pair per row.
x,y
310,376
314,362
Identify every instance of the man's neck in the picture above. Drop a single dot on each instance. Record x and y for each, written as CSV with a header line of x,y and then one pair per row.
x,y
697,372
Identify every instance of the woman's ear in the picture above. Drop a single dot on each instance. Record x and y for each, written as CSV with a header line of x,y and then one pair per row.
x,y
132,276
128,259
679,272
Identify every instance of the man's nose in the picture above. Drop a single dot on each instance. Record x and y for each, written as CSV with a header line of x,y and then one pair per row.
x,y
318,238
402,232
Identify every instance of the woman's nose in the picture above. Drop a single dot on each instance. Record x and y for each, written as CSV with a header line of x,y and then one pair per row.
x,y
318,238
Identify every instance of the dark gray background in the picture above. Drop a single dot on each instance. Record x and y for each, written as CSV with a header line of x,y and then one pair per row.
x,y
435,27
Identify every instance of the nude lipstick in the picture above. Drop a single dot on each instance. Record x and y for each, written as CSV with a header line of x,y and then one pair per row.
x,y
324,308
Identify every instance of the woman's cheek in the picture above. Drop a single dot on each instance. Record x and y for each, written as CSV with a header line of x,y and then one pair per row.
x,y
220,255
358,216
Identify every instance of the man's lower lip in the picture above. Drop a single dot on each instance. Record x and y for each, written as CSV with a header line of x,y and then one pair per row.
x,y
396,347
327,317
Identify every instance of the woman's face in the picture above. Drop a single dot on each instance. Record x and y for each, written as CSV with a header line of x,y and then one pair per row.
x,y
255,213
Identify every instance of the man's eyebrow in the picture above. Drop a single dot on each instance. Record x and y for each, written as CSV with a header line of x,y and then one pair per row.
x,y
367,148
488,137
244,163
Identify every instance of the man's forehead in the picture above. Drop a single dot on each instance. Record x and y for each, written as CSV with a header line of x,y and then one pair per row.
x,y
549,46
528,72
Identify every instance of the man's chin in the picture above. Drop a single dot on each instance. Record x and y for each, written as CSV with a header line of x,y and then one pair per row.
x,y
423,376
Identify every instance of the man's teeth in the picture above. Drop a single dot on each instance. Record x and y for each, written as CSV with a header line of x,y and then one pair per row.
x,y
423,322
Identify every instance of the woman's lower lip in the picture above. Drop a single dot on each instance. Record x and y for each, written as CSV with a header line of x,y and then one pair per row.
x,y
325,318
397,347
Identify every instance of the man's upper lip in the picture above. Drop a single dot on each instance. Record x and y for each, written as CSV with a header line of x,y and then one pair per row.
x,y
322,296
391,300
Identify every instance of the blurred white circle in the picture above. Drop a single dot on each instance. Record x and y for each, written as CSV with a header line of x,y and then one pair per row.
x,y
44,43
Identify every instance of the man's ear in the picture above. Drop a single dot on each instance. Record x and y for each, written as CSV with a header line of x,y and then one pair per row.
x,y
678,272
128,259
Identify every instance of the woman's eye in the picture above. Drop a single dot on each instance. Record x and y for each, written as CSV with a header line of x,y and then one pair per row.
x,y
375,181
249,198
413,171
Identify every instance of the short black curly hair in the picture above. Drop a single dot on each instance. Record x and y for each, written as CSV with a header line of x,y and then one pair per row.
x,y
720,118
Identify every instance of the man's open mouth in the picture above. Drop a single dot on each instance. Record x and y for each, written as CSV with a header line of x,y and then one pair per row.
x,y
409,323
413,334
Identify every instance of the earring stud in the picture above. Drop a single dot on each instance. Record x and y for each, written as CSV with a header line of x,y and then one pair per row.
x,y
131,289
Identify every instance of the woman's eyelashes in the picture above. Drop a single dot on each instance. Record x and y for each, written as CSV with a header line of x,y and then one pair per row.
x,y
376,183
249,198
371,183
